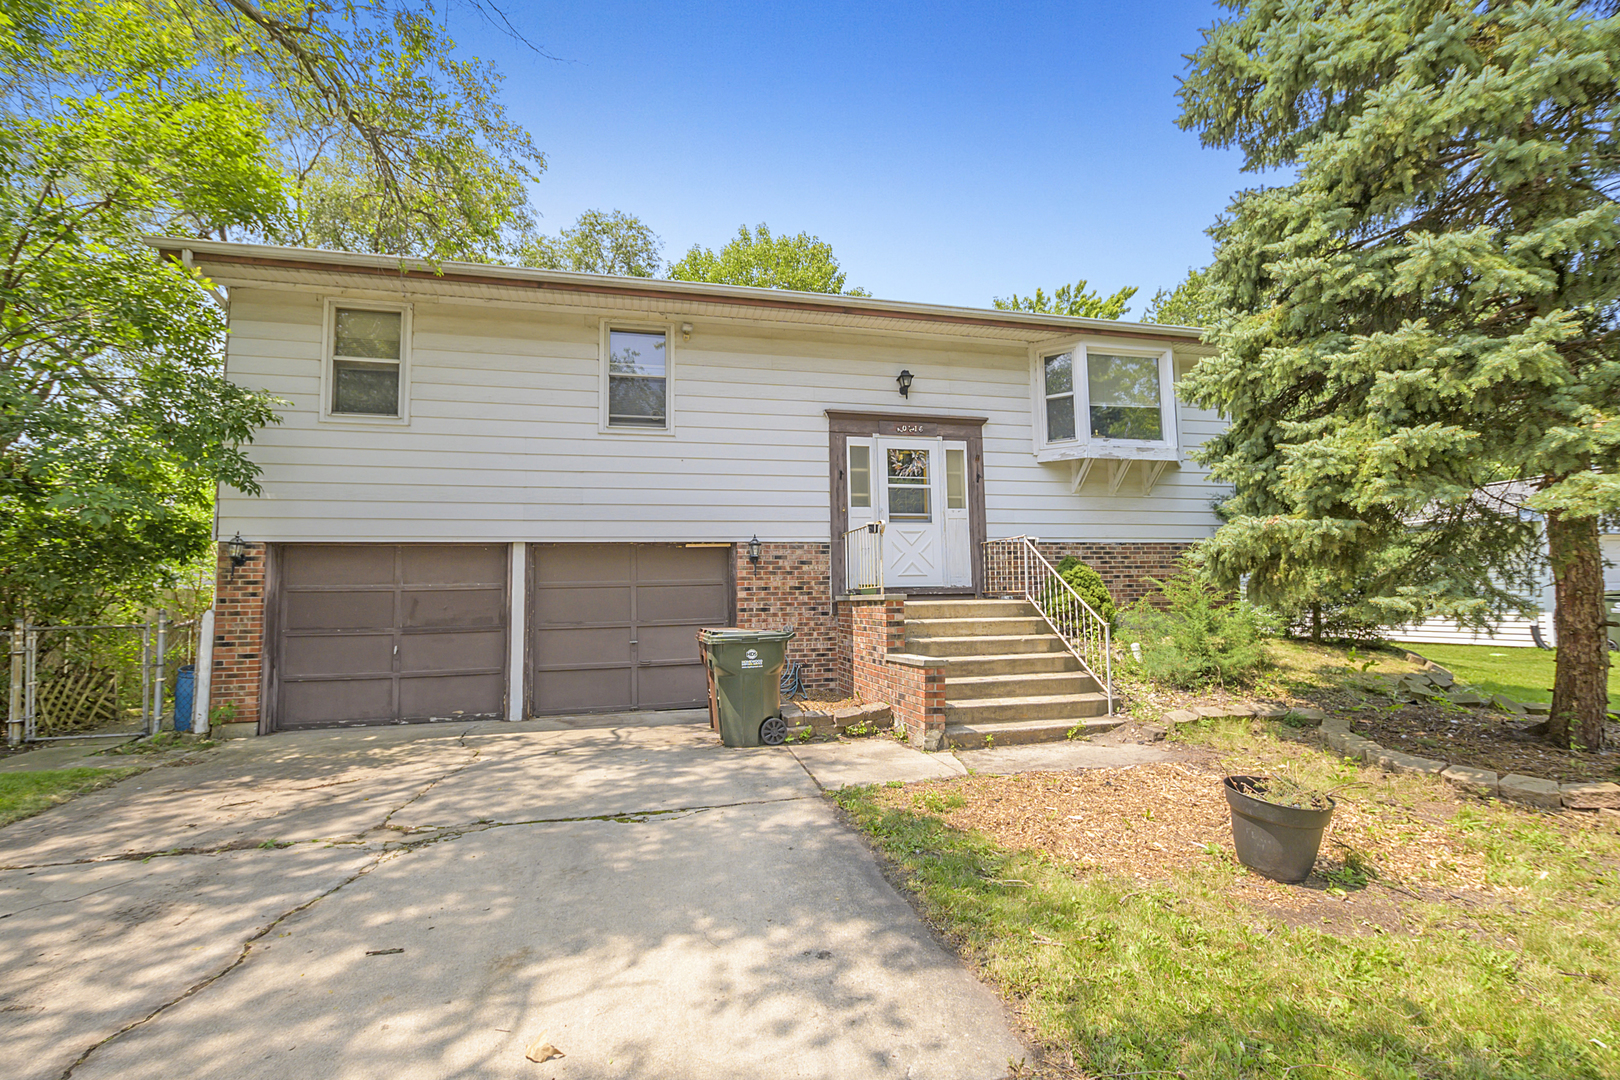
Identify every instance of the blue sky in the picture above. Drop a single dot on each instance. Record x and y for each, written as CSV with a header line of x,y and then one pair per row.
x,y
948,152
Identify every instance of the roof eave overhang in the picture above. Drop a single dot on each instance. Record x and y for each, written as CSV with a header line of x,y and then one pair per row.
x,y
559,286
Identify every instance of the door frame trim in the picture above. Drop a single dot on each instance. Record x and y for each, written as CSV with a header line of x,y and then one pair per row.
x,y
842,424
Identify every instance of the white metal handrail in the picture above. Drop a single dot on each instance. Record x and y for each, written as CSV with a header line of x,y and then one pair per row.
x,y
1015,568
863,558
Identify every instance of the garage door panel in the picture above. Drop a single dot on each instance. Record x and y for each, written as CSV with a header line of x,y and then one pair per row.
x,y
655,562
379,633
685,603
575,564
442,696
591,645
338,610
318,703
661,644
419,652
672,687
583,605
584,691
614,626
315,565
454,607
338,654
454,564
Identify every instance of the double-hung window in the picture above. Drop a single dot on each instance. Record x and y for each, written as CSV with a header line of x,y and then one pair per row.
x,y
367,349
1100,396
636,376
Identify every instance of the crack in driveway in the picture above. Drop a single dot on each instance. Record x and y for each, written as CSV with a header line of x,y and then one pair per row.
x,y
432,835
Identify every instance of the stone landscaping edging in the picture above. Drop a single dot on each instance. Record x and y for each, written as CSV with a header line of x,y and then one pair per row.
x,y
1515,787
877,715
1336,733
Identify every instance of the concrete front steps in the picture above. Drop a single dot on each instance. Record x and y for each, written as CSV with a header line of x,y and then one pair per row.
x,y
1008,678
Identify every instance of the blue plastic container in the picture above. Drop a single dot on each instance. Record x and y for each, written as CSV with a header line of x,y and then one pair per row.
x,y
185,692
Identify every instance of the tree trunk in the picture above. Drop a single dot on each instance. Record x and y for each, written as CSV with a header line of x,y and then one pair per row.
x,y
1581,686
1316,624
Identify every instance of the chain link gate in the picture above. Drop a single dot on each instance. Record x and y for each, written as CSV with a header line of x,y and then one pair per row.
x,y
93,682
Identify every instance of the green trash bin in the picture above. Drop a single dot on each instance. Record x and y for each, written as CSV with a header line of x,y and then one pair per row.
x,y
745,684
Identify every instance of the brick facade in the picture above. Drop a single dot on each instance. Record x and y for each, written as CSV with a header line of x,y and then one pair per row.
x,y
788,587
238,633
1125,567
913,686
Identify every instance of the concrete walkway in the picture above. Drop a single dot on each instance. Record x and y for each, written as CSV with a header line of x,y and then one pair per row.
x,y
428,901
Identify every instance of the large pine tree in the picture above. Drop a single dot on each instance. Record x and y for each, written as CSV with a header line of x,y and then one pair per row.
x,y
1425,302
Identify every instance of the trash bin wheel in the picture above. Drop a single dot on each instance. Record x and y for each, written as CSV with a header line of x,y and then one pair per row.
x,y
773,732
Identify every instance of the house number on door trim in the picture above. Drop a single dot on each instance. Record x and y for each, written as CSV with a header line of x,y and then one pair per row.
x,y
908,429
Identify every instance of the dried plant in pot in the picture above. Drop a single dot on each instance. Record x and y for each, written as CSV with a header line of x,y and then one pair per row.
x,y
1277,825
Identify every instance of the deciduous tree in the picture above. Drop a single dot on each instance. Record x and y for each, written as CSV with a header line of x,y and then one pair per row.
x,y
599,243
801,262
1074,300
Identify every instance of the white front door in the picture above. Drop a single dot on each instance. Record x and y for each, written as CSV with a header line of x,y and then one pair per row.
x,y
910,493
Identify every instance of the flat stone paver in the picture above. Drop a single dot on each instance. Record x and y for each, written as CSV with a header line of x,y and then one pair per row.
x,y
875,760
1056,757
651,902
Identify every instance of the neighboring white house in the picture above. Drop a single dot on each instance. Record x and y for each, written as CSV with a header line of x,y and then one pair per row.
x,y
502,491
1516,630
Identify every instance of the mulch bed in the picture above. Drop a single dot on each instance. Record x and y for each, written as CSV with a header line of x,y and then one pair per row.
x,y
1485,740
1147,823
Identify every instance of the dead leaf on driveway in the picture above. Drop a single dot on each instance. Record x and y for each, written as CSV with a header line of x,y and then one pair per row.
x,y
540,1050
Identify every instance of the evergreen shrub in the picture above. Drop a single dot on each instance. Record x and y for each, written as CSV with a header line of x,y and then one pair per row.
x,y
1089,584
1197,635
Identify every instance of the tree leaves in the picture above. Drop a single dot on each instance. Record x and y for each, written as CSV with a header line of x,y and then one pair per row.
x,y
803,262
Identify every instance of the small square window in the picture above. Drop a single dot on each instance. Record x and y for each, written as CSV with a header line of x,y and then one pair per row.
x,y
367,362
637,379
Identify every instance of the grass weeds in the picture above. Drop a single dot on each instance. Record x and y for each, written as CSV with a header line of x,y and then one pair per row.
x,y
1184,977
24,794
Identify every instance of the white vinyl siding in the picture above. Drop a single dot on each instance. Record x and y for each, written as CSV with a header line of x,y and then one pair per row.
x,y
505,439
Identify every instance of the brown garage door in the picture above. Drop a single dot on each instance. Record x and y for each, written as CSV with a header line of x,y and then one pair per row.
x,y
613,626
374,633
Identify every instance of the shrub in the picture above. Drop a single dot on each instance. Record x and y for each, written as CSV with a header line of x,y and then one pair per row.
x,y
1089,584
1199,635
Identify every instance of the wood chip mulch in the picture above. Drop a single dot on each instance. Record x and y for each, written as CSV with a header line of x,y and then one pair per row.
x,y
1149,822
1485,740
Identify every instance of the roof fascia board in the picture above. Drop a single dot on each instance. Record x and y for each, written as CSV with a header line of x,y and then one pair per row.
x,y
557,282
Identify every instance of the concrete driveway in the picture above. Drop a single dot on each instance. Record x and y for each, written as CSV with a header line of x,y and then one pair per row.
x,y
429,901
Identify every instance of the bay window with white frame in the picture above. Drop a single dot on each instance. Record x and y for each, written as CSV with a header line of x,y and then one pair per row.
x,y
1102,397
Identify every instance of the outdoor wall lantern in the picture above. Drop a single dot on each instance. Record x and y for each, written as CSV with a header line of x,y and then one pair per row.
x,y
686,331
904,379
754,548
238,549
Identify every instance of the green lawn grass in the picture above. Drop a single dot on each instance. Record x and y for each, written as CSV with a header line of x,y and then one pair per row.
x,y
24,794
1183,977
1525,674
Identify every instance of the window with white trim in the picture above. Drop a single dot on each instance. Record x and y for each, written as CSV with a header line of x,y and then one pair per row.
x,y
637,381
1102,395
366,350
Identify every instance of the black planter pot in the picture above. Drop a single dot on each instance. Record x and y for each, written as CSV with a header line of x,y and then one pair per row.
x,y
1280,842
